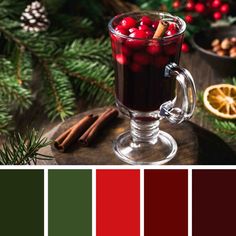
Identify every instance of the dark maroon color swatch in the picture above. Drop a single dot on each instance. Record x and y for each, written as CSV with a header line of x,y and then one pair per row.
x,y
214,202
166,203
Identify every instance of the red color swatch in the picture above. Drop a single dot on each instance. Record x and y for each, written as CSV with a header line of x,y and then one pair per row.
x,y
166,203
118,202
214,202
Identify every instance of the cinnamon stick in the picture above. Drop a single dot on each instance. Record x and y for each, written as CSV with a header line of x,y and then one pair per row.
x,y
73,133
102,120
161,29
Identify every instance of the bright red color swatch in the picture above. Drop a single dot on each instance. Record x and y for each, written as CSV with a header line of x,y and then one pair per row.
x,y
118,202
166,203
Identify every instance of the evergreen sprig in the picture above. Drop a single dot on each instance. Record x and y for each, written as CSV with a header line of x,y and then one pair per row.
x,y
23,150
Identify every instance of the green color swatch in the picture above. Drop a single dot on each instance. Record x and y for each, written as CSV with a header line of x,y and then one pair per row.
x,y
70,202
22,202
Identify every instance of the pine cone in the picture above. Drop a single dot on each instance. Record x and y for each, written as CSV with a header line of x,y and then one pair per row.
x,y
34,18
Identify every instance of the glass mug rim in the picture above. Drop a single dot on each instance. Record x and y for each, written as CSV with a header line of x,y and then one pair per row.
x,y
182,24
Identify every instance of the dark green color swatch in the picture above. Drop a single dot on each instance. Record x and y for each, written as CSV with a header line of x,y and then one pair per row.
x,y
22,202
70,202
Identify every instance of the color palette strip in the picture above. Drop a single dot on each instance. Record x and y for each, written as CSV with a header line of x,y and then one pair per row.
x,y
118,202
21,202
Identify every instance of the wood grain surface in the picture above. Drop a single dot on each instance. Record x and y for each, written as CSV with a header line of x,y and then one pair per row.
x,y
101,153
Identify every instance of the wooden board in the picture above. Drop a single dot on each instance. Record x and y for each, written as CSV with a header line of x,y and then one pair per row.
x,y
101,153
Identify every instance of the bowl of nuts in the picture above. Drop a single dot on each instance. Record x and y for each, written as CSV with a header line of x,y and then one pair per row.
x,y
218,48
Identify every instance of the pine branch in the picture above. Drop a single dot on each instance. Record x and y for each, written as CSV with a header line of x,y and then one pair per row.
x,y
60,98
23,150
5,119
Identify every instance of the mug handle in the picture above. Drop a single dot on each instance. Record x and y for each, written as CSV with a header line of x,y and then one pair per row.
x,y
168,109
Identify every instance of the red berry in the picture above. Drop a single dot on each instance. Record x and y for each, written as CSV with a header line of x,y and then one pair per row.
x,y
224,8
145,20
200,8
189,19
136,43
155,24
154,48
141,58
149,34
176,4
128,22
171,30
131,30
217,15
138,34
185,48
121,59
124,50
190,6
121,30
216,4
143,27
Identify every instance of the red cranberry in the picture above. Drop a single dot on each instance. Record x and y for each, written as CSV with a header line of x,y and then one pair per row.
x,y
216,4
121,30
124,50
154,48
131,30
121,59
224,8
217,15
171,30
200,8
190,6
185,48
149,34
136,43
155,24
143,27
128,22
189,19
145,20
135,67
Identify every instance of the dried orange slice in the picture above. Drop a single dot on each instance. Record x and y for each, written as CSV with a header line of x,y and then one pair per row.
x,y
220,99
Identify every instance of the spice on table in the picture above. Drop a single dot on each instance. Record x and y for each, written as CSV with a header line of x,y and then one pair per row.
x,y
93,130
73,133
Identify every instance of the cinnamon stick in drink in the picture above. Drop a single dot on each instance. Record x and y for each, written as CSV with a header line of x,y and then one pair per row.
x,y
102,120
73,133
161,29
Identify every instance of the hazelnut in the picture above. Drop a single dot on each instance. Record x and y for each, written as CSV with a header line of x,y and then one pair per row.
x,y
215,43
216,48
232,52
226,44
221,52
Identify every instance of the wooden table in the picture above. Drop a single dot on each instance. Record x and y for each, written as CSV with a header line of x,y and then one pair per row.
x,y
212,149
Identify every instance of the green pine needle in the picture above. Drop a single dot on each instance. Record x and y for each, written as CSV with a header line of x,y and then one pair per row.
x,y
23,150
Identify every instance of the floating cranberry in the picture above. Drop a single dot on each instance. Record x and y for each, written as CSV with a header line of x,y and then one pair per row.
x,y
121,59
224,8
171,30
217,15
121,30
155,24
200,8
141,58
138,42
131,30
135,67
145,20
154,48
128,22
185,48
143,27
149,34
189,19
124,50
190,6
216,3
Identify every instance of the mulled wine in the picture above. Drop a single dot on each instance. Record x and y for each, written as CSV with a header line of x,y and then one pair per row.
x,y
140,61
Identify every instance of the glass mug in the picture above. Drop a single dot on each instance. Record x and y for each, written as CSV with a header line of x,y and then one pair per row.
x,y
146,71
